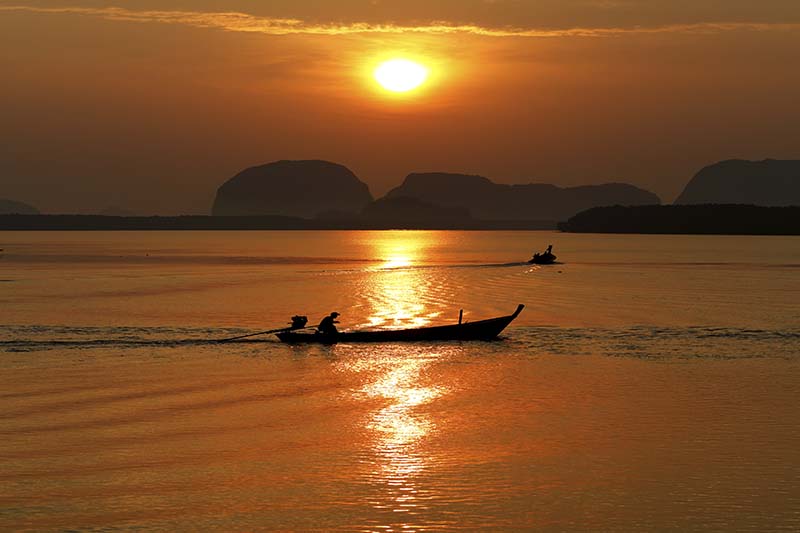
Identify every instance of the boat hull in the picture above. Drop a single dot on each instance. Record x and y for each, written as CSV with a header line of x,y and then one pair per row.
x,y
543,259
482,330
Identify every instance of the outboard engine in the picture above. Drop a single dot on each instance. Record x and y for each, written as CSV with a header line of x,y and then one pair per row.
x,y
299,321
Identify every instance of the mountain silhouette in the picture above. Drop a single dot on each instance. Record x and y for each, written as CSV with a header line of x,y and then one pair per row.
x,y
11,207
292,188
491,201
769,182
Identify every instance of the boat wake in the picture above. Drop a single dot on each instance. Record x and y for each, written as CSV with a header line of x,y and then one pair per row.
x,y
641,342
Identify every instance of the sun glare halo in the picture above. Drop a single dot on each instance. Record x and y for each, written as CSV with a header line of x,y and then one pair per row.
x,y
400,75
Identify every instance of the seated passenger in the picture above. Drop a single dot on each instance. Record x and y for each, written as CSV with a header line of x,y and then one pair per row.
x,y
327,325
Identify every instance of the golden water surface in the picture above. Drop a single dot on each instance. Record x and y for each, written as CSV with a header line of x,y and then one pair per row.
x,y
650,383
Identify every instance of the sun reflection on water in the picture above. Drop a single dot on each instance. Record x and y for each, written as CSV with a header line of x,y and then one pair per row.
x,y
402,249
396,422
397,261
399,429
399,299
399,295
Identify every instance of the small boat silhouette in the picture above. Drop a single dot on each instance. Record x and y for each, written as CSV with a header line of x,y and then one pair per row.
x,y
482,330
545,258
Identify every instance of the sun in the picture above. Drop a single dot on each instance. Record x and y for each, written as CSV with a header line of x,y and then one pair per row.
x,y
400,75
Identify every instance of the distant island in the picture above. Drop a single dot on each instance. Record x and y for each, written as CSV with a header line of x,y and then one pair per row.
x,y
734,197
292,188
329,191
770,182
729,197
492,201
687,219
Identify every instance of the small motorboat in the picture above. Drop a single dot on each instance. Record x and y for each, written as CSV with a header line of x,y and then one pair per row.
x,y
542,259
482,330
545,258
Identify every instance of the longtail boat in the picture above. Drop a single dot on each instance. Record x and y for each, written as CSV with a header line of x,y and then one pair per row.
x,y
482,330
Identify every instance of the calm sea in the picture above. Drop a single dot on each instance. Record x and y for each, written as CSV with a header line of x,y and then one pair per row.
x,y
650,384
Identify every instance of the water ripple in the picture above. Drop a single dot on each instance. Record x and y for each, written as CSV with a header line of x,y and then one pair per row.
x,y
644,342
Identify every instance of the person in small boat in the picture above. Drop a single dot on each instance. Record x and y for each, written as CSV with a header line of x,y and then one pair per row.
x,y
544,257
328,324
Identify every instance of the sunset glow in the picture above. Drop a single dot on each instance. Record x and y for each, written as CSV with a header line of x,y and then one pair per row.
x,y
452,265
397,261
517,92
400,75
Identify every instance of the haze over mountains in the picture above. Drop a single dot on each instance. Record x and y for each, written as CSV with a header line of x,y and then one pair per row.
x,y
317,194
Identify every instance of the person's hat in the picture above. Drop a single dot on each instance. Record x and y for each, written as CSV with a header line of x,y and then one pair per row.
x,y
334,314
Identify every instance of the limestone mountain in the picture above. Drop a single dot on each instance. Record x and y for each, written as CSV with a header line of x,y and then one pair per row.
x,y
769,182
292,188
492,201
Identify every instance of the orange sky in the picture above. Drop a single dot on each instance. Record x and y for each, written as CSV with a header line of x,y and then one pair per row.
x,y
153,105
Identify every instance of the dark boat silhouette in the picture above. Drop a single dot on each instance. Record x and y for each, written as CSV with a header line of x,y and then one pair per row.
x,y
545,258
482,330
